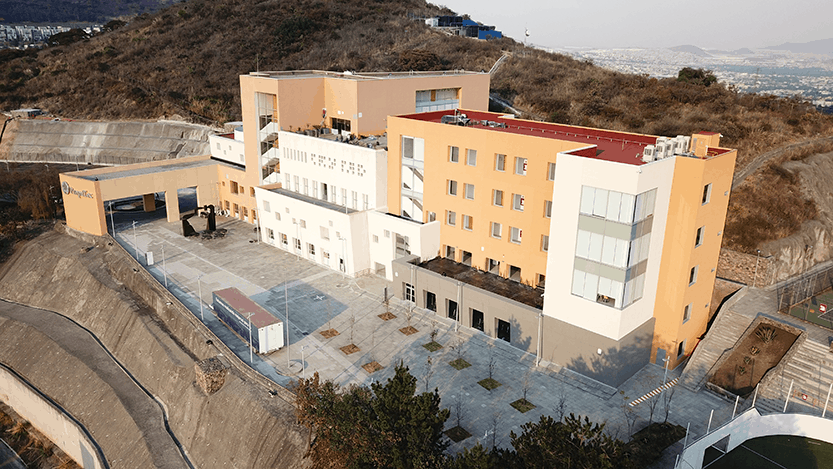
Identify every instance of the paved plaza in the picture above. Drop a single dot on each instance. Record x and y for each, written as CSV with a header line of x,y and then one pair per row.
x,y
318,299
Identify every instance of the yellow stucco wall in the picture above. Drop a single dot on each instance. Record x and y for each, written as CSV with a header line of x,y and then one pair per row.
x,y
83,205
686,214
534,186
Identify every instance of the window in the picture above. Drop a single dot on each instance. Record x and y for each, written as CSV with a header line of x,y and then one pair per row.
x,y
410,294
496,230
547,208
365,202
545,243
452,309
278,216
355,199
233,187
471,157
271,235
407,147
311,249
550,171
387,234
297,243
431,301
296,180
325,233
453,154
468,191
698,239
707,193
692,277
467,222
500,162
236,210
284,240
344,197
518,202
520,166
681,349
450,218
497,198
266,207
326,257
303,223
452,187
252,192
450,252
375,238
493,266
541,280
516,234
431,217
340,124
687,313
477,320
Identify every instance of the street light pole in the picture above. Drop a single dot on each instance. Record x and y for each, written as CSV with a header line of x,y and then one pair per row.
x,y
757,258
164,269
251,355
199,286
135,245
286,308
303,362
665,376
111,220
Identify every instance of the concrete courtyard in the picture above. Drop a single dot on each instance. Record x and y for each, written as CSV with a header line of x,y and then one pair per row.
x,y
318,299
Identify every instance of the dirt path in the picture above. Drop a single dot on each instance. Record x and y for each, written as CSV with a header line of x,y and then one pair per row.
x,y
765,157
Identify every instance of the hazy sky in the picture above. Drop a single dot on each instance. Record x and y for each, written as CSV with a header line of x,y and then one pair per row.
x,y
710,24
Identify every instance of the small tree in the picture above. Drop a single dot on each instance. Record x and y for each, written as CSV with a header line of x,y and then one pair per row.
x,y
560,400
427,372
459,410
492,360
652,405
352,323
630,413
493,430
526,384
667,396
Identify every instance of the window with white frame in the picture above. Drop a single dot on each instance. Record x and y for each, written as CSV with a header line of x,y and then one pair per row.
x,y
410,293
471,157
496,230
278,216
355,199
387,233
518,202
266,207
431,217
545,243
375,238
550,171
450,218
687,313
547,208
520,166
284,240
515,234
325,233
344,197
452,187
692,276
698,238
303,223
467,222
707,193
500,162
365,201
497,198
453,154
468,191
311,249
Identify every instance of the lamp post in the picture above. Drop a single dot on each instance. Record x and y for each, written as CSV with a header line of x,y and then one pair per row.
x,y
111,220
757,258
135,245
343,255
251,354
303,362
199,286
665,376
286,309
164,269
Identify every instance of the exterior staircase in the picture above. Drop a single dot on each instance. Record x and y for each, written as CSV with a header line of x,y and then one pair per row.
x,y
810,371
721,338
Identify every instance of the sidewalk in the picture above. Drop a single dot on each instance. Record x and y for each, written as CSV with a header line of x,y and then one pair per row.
x,y
319,299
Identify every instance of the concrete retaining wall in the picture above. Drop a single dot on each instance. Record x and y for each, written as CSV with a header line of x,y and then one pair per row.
x,y
101,143
249,422
50,420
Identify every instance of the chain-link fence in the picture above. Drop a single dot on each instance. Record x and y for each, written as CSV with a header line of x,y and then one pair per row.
x,y
803,288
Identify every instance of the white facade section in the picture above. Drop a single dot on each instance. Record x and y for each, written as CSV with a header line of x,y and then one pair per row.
x,y
571,173
315,230
270,337
225,148
341,173
392,237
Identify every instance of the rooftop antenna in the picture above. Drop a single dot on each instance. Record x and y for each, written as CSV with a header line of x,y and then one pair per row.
x,y
526,36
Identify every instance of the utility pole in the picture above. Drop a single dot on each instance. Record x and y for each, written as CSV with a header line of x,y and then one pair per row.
x,y
111,220
134,241
164,269
199,286
251,355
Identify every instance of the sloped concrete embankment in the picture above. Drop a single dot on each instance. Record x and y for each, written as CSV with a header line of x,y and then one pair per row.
x,y
249,422
101,143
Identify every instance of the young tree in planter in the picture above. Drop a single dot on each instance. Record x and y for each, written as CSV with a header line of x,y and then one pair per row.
x,y
492,359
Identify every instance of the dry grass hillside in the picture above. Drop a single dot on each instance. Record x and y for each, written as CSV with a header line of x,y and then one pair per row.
x,y
186,60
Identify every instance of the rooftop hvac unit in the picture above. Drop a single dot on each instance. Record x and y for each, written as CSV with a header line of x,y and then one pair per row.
x,y
659,153
679,145
649,154
686,144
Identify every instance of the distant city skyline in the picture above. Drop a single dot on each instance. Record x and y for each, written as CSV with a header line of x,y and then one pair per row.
x,y
709,24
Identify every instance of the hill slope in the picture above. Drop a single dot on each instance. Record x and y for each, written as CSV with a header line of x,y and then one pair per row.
x,y
68,11
186,60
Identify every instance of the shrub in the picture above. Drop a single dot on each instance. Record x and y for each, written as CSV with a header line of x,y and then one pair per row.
x,y
766,334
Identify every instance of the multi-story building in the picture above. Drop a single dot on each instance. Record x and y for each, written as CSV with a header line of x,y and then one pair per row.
x,y
622,245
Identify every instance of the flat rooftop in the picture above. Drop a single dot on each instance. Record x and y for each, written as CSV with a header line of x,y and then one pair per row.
x,y
620,147
245,306
486,281
370,141
362,76
129,170
312,200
